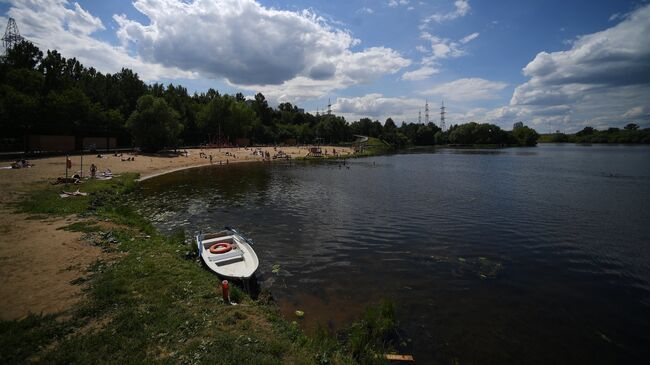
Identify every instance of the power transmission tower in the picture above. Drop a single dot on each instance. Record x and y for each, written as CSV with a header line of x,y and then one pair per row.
x,y
442,116
329,106
419,116
426,112
12,36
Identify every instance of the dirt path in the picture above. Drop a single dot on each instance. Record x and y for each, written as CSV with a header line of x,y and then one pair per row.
x,y
38,262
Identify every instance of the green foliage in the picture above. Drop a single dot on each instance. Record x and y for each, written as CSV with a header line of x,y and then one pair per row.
x,y
479,134
54,95
373,334
525,136
21,339
48,201
154,124
631,133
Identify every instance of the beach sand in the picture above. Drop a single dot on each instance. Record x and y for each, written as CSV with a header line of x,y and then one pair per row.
x,y
39,261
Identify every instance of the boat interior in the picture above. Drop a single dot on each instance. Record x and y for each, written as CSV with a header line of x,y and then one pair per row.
x,y
234,255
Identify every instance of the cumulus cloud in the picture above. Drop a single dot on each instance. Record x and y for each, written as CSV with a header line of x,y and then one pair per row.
x,y
421,73
68,28
467,89
395,3
441,48
248,44
361,67
602,78
292,55
461,8
377,106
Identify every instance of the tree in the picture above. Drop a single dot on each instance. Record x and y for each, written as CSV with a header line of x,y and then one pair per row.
x,y
24,55
586,131
227,116
631,127
525,136
154,124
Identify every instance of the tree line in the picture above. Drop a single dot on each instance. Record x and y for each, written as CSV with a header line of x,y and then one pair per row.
x,y
631,133
49,94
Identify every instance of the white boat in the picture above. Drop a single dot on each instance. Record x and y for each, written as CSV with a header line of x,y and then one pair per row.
x,y
228,253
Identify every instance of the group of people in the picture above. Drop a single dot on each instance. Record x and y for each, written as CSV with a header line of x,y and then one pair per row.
x,y
21,164
205,155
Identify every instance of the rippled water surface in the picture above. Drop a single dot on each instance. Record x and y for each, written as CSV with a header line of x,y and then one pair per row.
x,y
531,255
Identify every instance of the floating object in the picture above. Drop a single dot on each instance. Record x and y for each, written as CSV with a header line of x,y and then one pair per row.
x,y
220,247
300,313
239,262
396,357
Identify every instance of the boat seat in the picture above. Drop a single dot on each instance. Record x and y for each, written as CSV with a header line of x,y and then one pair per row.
x,y
234,255
217,239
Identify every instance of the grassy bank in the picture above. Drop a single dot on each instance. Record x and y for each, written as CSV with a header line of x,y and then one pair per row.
x,y
152,301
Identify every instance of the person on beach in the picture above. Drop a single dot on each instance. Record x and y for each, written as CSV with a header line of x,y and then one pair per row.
x,y
210,159
93,171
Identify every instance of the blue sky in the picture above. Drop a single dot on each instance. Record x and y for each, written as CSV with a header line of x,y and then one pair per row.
x,y
547,63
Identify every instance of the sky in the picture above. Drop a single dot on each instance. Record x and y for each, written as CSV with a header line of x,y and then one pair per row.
x,y
555,65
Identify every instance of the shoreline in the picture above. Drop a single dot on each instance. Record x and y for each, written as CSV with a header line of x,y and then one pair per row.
x,y
143,295
18,227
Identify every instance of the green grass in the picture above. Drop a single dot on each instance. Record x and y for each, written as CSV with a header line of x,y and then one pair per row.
x,y
153,305
375,146
100,192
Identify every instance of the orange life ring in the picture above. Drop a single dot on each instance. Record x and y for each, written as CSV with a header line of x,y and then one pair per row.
x,y
220,247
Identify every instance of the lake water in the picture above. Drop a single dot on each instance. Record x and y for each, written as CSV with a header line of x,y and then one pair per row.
x,y
511,256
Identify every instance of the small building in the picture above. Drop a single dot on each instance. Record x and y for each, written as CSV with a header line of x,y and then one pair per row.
x,y
51,143
98,143
242,142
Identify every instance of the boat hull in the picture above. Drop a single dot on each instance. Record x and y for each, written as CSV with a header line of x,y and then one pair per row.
x,y
240,262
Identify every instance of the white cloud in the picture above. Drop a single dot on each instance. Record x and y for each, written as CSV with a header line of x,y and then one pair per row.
x,y
636,112
469,38
56,24
467,89
394,3
293,55
441,48
354,68
365,10
377,106
420,74
601,79
288,54
461,8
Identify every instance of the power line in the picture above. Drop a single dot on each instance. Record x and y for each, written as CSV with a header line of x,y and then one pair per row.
x,y
442,116
12,36
426,112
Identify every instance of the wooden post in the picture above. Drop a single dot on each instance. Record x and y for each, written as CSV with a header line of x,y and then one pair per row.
x,y
67,163
82,163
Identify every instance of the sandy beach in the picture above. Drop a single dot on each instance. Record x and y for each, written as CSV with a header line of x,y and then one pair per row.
x,y
42,283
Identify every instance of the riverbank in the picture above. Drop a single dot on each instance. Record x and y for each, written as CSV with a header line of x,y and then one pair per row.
x,y
105,286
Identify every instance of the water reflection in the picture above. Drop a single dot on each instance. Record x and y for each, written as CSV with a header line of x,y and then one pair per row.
x,y
507,256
